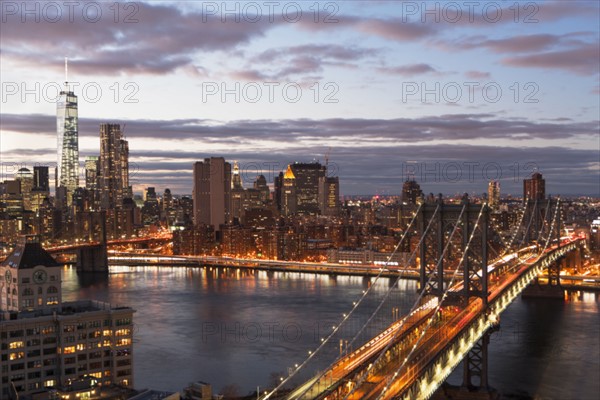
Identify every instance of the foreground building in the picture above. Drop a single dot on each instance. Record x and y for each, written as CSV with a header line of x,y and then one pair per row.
x,y
48,344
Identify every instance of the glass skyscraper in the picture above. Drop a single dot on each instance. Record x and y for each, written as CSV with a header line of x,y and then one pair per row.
x,y
68,142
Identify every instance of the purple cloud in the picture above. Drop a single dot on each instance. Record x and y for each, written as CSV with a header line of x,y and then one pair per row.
x,y
409,70
583,60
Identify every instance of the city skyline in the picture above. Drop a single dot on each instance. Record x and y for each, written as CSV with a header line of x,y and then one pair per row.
x,y
173,112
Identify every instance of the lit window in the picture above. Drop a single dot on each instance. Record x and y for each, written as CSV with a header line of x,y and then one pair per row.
x,y
69,350
16,356
123,342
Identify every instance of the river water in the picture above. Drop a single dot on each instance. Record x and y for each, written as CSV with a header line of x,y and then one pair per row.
x,y
235,328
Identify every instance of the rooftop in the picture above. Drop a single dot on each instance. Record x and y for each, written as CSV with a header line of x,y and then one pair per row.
x,y
68,308
29,253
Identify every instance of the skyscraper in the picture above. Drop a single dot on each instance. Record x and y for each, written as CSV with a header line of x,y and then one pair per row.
x,y
91,172
212,192
113,166
68,140
411,191
307,186
535,187
236,180
288,193
41,180
329,194
41,186
25,177
494,194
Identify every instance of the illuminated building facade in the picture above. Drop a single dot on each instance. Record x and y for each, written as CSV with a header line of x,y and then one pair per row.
x,y
288,193
212,192
68,142
534,188
113,166
41,187
411,192
50,344
494,194
329,194
307,177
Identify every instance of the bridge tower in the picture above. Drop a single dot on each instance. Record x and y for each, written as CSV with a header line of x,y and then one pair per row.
x,y
473,274
94,258
544,230
472,222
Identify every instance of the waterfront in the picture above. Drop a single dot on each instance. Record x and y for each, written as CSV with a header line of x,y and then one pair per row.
x,y
227,326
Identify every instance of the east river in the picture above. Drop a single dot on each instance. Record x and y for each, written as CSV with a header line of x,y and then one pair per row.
x,y
238,328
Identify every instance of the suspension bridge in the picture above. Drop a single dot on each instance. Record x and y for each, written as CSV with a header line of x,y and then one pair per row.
x,y
410,355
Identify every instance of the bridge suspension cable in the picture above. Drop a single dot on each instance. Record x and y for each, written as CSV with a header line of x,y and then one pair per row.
x,y
416,304
381,303
346,316
391,378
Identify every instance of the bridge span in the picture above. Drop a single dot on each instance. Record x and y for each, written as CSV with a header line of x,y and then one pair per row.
x,y
452,333
450,321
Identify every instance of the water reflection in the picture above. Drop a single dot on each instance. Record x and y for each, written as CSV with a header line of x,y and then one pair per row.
x,y
229,325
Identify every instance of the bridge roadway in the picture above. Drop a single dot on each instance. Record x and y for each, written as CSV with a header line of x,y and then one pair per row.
x,y
112,242
134,259
436,354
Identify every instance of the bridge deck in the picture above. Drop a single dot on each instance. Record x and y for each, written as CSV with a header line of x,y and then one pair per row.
x,y
440,338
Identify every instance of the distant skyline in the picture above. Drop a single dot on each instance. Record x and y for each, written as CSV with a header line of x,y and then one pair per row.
x,y
387,89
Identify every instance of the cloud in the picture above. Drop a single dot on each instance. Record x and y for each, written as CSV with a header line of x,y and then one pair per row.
x,y
295,62
515,44
583,60
477,75
163,39
396,29
370,155
353,131
409,70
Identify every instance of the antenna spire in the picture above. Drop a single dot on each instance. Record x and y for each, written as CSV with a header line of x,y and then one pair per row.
x,y
67,74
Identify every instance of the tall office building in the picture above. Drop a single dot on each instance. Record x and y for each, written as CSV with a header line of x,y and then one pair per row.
x,y
260,184
411,192
48,344
494,194
91,172
329,194
212,192
288,193
113,167
307,186
278,190
41,187
25,177
68,141
535,187
41,179
236,179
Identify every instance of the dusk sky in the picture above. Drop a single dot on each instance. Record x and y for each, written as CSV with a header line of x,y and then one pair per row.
x,y
454,93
